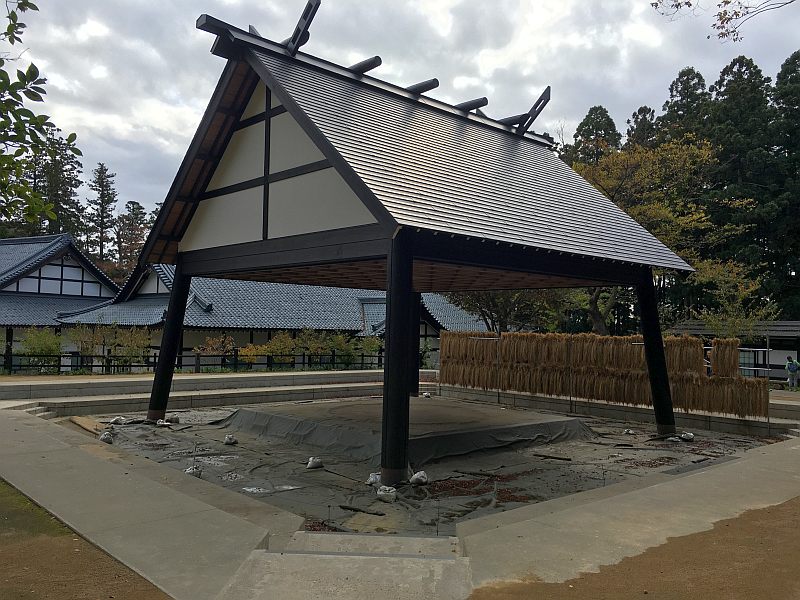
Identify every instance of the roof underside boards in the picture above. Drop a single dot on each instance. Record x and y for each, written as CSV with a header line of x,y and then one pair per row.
x,y
38,310
218,123
437,171
428,277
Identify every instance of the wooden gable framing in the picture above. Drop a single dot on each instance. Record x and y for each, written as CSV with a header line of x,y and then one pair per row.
x,y
254,173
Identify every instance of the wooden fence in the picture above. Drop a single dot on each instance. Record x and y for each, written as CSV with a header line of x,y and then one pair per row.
x,y
606,368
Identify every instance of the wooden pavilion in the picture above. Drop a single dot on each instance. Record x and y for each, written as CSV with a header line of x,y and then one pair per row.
x,y
303,171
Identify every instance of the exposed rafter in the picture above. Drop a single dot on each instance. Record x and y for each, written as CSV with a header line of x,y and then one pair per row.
x,y
423,86
472,104
366,65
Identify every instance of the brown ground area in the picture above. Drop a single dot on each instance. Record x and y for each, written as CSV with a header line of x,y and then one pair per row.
x,y
756,555
40,559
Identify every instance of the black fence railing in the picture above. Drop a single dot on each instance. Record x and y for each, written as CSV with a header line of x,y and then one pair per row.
x,y
74,363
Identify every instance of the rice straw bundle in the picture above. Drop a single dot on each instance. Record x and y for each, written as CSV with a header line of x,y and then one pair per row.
x,y
725,357
684,354
604,368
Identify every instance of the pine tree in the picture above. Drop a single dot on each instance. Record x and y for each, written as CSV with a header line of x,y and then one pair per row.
x,y
130,230
100,215
642,128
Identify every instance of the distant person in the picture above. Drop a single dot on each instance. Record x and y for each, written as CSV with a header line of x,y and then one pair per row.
x,y
793,369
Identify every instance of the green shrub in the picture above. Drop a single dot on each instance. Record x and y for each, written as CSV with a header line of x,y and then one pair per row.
x,y
43,346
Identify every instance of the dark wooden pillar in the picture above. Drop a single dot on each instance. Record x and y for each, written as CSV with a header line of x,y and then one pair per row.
x,y
401,333
8,352
654,355
413,348
170,340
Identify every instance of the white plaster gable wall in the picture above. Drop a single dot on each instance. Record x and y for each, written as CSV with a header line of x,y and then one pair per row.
x,y
289,146
318,201
230,219
242,160
257,103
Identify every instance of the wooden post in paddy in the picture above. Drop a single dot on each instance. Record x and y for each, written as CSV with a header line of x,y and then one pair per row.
x,y
170,340
401,332
654,355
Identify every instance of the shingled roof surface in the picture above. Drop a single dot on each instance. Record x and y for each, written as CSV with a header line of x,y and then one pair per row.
x,y
437,170
19,256
38,310
234,304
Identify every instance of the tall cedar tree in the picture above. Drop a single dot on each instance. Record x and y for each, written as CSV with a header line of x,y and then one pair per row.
x,y
100,213
787,139
56,175
686,110
130,230
595,136
740,128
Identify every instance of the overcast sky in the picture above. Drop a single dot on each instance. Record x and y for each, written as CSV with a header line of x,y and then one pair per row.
x,y
132,77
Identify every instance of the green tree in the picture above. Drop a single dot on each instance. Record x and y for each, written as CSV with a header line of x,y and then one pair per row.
x,y
23,133
785,249
595,137
642,128
686,110
100,214
737,304
55,176
746,186
130,231
515,310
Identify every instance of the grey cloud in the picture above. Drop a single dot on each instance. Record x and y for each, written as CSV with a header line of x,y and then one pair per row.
x,y
156,57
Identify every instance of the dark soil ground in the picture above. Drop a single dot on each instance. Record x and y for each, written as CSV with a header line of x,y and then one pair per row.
x,y
41,558
755,555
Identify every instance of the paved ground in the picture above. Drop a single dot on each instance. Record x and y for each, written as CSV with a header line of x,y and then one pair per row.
x,y
191,537
755,555
40,558
785,395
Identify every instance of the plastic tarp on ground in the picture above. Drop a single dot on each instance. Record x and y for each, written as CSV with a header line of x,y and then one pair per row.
x,y
364,443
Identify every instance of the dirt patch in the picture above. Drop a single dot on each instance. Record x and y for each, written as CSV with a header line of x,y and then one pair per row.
x,y
41,558
751,556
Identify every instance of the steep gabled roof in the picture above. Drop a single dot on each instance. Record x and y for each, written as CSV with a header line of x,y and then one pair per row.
x,y
20,256
414,162
438,170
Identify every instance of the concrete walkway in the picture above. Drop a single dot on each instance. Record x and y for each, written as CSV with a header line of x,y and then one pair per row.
x,y
185,535
197,541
